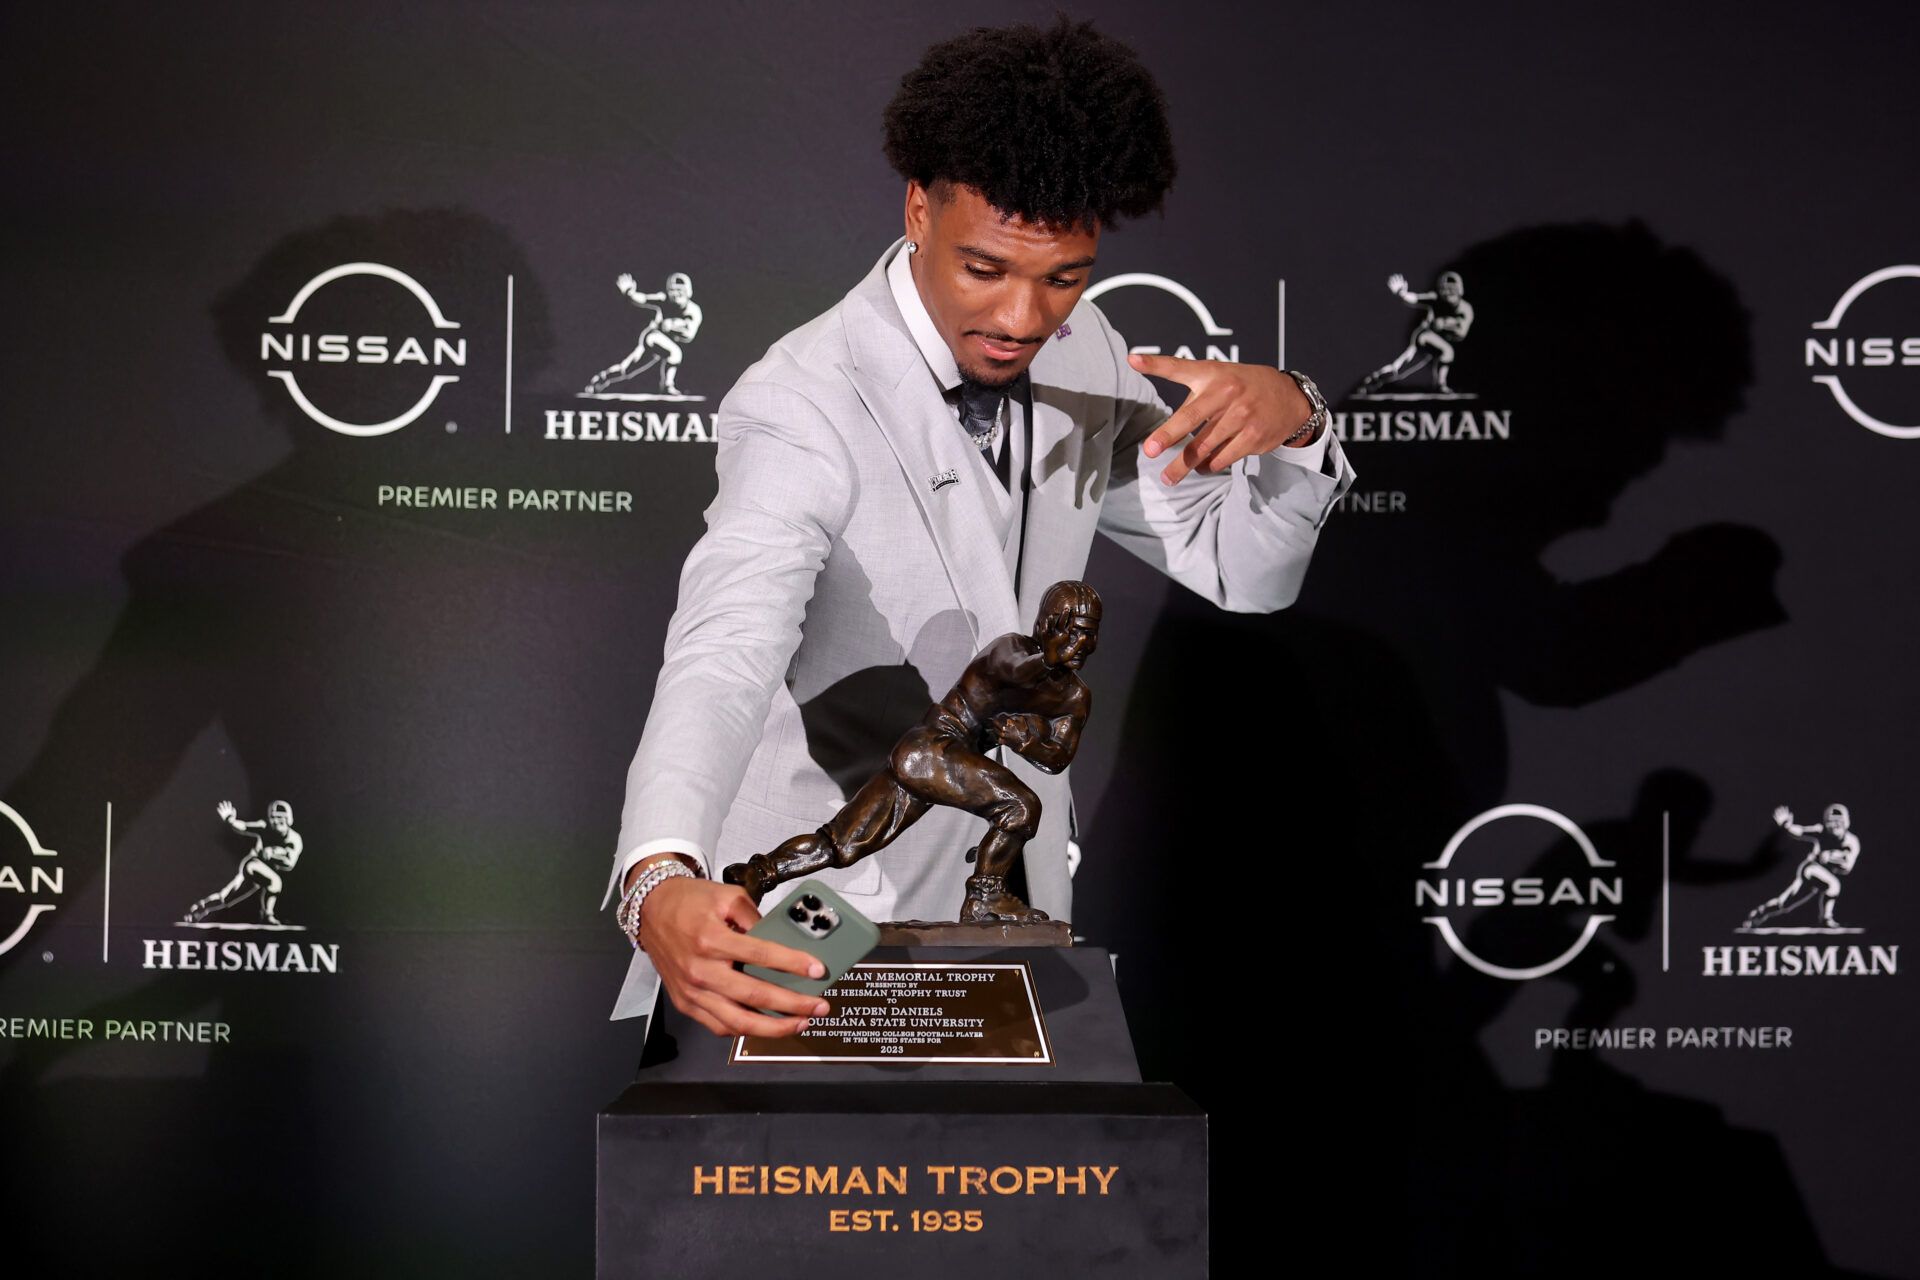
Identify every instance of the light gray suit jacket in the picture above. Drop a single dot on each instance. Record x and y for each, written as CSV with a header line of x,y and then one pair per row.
x,y
841,587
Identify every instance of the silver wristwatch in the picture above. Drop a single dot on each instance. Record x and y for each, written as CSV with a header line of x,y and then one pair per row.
x,y
1315,420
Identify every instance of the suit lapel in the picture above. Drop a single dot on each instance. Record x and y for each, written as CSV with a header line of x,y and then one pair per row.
x,y
1053,457
1054,408
919,428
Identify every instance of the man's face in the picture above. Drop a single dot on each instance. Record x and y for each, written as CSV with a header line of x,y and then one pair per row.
x,y
1070,638
679,293
1837,823
1450,288
996,288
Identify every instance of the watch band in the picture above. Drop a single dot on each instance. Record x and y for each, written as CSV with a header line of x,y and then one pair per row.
x,y
1315,420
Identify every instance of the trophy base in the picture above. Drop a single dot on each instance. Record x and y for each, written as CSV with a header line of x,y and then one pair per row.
x,y
1112,1180
991,933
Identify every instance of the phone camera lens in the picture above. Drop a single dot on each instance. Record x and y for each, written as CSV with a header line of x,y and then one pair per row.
x,y
811,902
821,924
797,913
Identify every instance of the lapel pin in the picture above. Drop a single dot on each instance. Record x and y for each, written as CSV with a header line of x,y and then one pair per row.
x,y
1064,331
944,479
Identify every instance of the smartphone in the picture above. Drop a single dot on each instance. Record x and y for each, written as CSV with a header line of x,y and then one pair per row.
x,y
814,919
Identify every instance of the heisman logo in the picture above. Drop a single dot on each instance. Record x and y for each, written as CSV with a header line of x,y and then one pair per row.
x,y
262,878
1446,315
261,871
662,343
294,346
39,878
674,320
1817,879
1517,892
1445,319
1863,353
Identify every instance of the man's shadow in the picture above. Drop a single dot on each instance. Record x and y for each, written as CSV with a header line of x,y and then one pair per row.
x,y
394,675
1282,779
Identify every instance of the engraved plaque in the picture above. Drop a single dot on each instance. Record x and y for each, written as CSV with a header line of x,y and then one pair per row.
x,y
985,1014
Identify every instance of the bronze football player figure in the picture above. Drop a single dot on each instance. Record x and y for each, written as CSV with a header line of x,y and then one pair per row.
x,y
1021,692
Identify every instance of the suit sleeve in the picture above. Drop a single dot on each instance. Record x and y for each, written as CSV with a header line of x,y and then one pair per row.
x,y
785,485
1241,538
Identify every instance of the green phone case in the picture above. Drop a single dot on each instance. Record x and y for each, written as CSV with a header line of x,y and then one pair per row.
x,y
814,919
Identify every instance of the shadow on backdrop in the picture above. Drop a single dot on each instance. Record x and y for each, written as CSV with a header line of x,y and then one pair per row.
x,y
408,681
1291,986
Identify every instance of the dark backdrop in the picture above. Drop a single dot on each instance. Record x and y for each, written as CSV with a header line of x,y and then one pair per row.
x,y
1637,567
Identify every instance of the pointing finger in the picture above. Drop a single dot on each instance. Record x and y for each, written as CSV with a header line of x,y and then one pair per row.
x,y
1172,368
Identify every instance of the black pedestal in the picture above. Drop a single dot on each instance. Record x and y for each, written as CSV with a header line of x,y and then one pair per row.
x,y
715,1167
925,1180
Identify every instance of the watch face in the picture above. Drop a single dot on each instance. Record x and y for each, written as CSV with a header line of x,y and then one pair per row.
x,y
1312,392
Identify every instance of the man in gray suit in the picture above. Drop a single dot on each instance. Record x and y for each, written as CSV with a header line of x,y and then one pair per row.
x,y
902,478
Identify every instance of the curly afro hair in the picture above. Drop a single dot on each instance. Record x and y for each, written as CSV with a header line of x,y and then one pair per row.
x,y
1060,126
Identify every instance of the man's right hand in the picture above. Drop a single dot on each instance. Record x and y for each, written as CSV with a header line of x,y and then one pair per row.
x,y
694,931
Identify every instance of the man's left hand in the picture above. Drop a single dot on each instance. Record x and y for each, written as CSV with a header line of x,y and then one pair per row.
x,y
1232,411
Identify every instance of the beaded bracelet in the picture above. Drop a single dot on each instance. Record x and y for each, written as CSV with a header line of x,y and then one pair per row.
x,y
627,915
